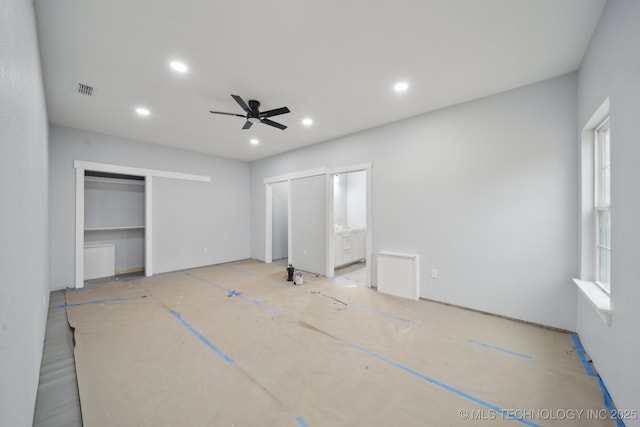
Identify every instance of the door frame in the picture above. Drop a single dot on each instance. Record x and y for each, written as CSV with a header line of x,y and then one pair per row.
x,y
268,209
329,205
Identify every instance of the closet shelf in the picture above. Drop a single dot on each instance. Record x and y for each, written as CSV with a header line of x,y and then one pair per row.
x,y
132,227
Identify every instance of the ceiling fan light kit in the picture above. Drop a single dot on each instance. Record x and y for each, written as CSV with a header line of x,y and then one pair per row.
x,y
254,115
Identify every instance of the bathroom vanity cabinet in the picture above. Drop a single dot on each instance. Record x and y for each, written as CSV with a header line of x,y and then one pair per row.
x,y
348,246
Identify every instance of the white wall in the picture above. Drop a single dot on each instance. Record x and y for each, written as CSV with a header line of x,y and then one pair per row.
x,y
24,228
486,192
350,199
308,216
280,227
194,223
357,199
611,68
110,203
340,200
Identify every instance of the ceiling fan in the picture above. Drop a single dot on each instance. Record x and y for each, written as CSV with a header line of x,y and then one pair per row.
x,y
254,115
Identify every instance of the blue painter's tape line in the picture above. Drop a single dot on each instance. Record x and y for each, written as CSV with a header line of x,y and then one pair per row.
x,y
102,301
504,350
583,357
256,302
231,293
195,276
461,393
382,313
608,402
202,337
235,294
266,307
302,422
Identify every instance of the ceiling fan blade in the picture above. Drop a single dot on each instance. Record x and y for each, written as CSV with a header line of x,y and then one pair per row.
x,y
275,112
272,123
228,114
241,102
247,125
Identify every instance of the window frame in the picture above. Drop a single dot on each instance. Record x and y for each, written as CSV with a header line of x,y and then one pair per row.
x,y
602,204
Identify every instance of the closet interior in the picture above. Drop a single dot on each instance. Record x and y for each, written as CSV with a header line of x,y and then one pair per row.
x,y
114,219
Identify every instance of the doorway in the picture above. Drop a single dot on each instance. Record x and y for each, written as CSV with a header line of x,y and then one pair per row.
x,y
280,223
349,226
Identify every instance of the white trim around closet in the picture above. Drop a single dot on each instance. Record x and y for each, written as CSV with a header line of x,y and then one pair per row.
x,y
128,170
294,175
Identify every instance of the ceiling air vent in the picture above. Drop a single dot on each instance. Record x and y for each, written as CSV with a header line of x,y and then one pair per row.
x,y
84,89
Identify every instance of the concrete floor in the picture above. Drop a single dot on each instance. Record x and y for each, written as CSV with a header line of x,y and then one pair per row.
x,y
324,353
57,402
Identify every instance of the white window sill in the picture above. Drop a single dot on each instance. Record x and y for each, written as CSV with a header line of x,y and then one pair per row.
x,y
598,299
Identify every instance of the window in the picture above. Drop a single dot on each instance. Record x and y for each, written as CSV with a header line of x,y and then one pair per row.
x,y
595,213
602,205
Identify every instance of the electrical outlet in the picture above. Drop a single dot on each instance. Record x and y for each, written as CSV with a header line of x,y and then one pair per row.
x,y
206,250
304,252
434,273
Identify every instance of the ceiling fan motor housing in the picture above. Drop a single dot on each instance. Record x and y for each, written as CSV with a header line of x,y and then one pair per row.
x,y
254,106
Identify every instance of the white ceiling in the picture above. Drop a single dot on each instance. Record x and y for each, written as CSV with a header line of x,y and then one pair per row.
x,y
332,60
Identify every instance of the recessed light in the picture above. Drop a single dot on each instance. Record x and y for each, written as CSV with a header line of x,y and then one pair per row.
x,y
254,141
178,66
307,121
401,86
144,112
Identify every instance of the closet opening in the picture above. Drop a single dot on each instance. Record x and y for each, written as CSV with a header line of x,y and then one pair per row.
x,y
280,223
114,225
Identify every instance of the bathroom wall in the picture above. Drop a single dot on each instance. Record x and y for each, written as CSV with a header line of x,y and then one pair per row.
x,y
350,199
